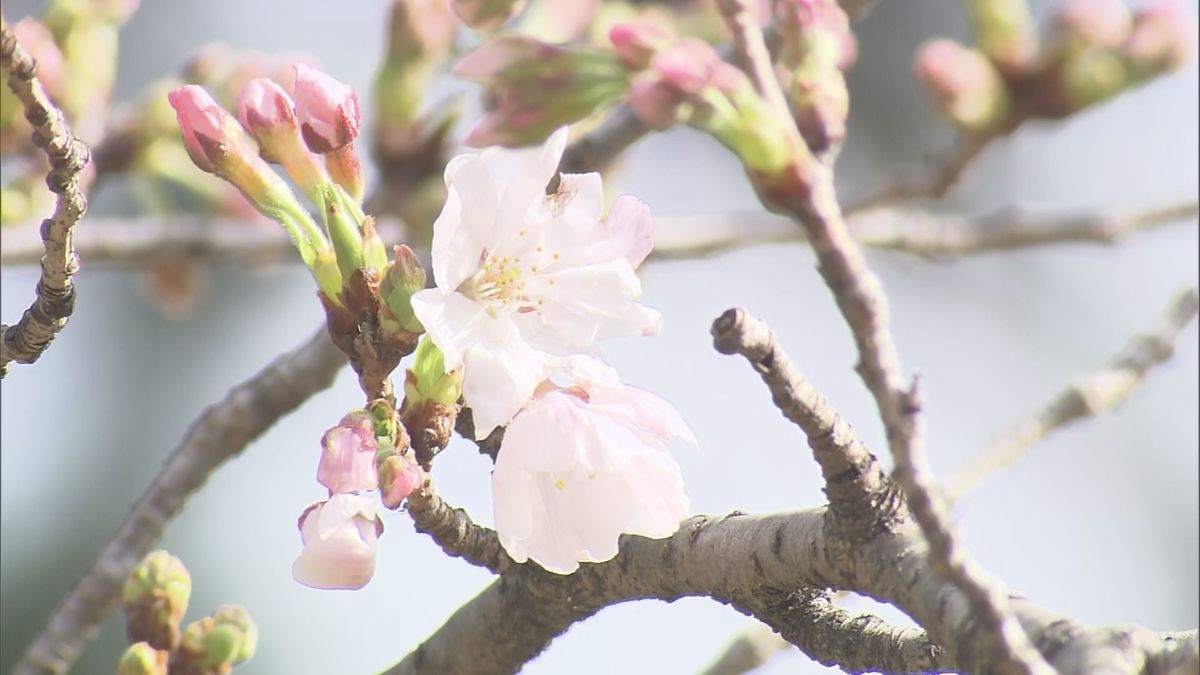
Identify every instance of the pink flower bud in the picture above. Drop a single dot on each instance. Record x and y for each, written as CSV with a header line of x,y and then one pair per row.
x,y
967,89
327,109
637,42
486,14
654,103
1164,36
210,134
688,66
339,537
398,477
533,88
266,110
348,455
1098,23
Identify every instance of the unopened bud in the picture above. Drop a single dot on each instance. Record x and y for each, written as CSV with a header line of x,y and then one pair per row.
x,y
430,401
1004,32
142,659
236,632
1092,76
218,144
1081,24
486,15
266,111
327,110
1163,38
533,88
404,277
637,42
155,597
967,89
398,477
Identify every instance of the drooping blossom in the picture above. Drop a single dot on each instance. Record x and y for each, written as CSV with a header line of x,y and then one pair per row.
x,y
581,466
339,536
348,455
525,278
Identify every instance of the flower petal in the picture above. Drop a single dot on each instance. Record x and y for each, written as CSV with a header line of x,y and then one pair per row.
x,y
452,321
500,373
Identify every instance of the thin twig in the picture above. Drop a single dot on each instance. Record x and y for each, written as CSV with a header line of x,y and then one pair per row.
x,y
137,241
863,305
25,341
949,558
860,494
748,650
936,185
455,532
741,16
221,432
1095,394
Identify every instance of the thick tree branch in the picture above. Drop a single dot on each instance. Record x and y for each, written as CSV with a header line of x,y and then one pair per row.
x,y
1095,394
756,564
25,341
220,433
861,497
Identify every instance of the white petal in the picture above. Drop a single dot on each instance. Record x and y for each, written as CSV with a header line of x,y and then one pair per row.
x,y
630,229
500,373
640,408
452,321
466,225
585,304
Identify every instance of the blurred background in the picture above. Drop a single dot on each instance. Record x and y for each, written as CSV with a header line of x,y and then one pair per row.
x,y
1098,522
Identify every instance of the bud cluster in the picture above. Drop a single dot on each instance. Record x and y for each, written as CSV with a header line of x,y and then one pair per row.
x,y
1093,50
366,451
311,134
155,597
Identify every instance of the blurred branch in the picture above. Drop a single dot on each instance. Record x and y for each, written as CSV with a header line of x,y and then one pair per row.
x,y
1095,394
750,649
221,432
136,241
25,341
944,176
750,49
919,232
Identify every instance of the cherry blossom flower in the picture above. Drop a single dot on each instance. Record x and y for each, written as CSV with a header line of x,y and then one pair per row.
x,y
340,536
581,466
524,278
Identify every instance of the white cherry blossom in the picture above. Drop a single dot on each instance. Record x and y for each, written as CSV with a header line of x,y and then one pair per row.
x,y
525,278
340,536
581,466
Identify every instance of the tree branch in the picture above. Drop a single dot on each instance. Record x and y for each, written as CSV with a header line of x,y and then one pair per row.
x,y
25,341
135,241
861,497
1095,394
945,175
455,532
220,433
755,564
751,49
812,200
